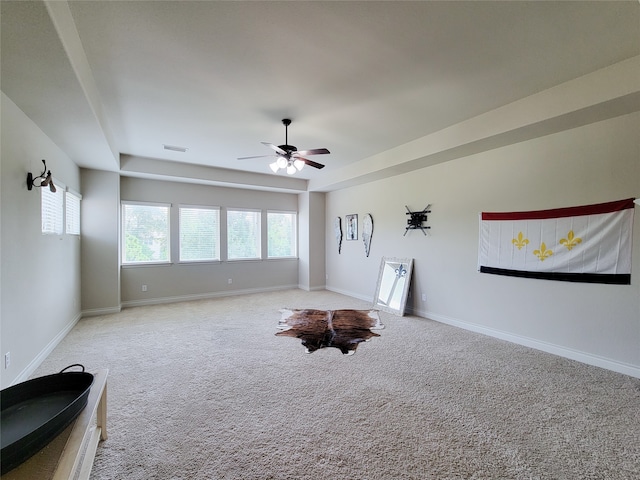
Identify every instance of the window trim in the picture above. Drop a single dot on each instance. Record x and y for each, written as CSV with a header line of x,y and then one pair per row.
x,y
60,189
259,256
75,194
219,239
295,234
125,264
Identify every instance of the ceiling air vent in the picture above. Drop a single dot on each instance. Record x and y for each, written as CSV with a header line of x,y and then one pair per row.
x,y
173,148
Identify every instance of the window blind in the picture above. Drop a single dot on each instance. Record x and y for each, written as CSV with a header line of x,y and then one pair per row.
x,y
145,233
199,234
52,211
243,234
72,213
281,234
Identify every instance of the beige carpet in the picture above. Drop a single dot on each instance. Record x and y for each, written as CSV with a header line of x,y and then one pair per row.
x,y
205,390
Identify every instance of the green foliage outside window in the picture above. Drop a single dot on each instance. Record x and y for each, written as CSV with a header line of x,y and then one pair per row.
x,y
146,233
243,234
199,234
136,250
281,234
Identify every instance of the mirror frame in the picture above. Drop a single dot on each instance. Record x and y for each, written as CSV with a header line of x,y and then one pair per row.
x,y
405,292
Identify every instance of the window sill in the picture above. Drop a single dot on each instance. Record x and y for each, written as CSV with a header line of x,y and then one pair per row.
x,y
199,262
146,264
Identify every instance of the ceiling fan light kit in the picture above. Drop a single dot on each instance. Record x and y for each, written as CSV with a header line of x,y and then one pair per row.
x,y
292,165
289,158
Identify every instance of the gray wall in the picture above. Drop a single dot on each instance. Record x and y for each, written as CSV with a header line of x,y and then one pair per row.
x,y
40,274
311,214
600,162
187,281
100,245
554,159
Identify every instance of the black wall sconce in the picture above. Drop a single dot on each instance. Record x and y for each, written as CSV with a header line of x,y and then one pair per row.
x,y
42,179
416,220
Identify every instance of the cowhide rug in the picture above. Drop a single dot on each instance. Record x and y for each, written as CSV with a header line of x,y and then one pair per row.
x,y
342,329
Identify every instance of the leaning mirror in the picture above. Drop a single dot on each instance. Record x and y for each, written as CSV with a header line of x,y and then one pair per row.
x,y
393,285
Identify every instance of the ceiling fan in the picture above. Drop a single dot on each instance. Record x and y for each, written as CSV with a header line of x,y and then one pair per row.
x,y
289,157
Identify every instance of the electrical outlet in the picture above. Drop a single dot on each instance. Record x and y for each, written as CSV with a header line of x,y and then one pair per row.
x,y
229,281
7,359
424,297
144,288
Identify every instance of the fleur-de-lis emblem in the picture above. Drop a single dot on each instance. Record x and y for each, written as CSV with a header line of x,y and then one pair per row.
x,y
400,271
520,241
543,253
570,241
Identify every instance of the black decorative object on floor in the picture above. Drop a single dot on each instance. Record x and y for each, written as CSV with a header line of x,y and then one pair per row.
x,y
38,410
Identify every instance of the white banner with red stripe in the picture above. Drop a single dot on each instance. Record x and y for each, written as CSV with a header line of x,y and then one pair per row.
x,y
590,243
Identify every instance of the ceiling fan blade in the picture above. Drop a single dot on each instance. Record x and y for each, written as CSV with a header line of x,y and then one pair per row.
x,y
311,163
256,156
315,151
275,147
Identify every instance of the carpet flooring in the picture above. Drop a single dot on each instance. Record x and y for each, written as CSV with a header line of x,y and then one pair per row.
x,y
206,390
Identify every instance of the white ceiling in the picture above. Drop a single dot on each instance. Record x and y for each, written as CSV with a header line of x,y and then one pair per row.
x,y
104,78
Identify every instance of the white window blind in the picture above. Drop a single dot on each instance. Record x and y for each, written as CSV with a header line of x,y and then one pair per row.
x,y
72,213
199,234
145,233
281,234
243,234
52,210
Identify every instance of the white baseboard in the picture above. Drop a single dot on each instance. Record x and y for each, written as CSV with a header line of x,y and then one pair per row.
x,y
588,358
202,296
307,288
94,312
35,363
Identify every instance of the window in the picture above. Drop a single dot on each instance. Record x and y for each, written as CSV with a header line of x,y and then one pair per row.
x,y
199,234
281,234
52,210
243,234
145,233
72,213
